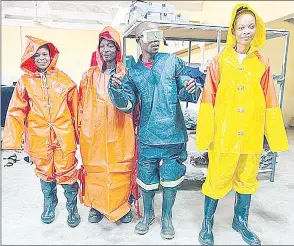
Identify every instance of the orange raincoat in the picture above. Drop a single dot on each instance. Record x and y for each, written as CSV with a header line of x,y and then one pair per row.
x,y
44,107
107,141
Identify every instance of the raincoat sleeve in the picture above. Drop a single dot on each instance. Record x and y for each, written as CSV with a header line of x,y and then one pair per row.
x,y
81,98
72,102
15,118
185,73
274,126
205,121
124,98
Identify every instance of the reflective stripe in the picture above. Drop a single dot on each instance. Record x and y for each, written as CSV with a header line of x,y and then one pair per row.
x,y
146,186
172,183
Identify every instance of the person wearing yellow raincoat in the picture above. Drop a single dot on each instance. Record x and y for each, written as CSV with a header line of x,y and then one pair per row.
x,y
107,137
44,108
239,106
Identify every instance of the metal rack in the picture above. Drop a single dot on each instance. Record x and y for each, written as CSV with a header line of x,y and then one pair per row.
x,y
213,34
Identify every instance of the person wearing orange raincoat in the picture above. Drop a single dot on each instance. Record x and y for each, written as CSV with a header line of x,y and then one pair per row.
x,y
239,106
107,137
44,108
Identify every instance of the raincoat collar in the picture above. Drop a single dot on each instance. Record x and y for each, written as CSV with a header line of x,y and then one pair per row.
x,y
260,36
28,64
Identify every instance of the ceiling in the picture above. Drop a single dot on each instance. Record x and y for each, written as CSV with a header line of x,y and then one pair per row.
x,y
87,15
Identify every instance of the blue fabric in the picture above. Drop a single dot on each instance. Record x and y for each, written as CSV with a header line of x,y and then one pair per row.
x,y
172,168
157,89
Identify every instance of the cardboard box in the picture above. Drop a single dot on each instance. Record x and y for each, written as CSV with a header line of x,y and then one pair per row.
x,y
181,18
167,17
155,7
153,16
168,8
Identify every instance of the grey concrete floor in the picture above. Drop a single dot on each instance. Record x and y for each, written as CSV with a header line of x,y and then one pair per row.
x,y
271,214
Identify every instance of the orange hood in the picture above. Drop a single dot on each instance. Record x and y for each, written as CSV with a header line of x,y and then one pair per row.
x,y
110,34
28,64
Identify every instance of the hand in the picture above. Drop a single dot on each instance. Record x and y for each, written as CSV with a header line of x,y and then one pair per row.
x,y
116,81
190,86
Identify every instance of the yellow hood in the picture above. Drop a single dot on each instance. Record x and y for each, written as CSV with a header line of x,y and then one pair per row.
x,y
260,35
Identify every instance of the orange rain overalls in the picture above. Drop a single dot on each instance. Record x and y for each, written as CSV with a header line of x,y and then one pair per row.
x,y
44,108
107,141
239,106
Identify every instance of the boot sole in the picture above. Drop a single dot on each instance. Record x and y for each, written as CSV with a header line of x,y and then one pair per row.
x,y
49,221
204,243
94,220
244,238
166,236
144,232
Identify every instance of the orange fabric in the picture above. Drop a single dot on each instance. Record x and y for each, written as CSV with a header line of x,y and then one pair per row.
x,y
211,81
41,103
57,166
107,143
267,84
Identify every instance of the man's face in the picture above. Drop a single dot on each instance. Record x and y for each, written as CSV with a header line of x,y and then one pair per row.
x,y
42,58
151,47
107,50
245,29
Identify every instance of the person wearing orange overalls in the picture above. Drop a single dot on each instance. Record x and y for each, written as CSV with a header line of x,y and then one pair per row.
x,y
44,108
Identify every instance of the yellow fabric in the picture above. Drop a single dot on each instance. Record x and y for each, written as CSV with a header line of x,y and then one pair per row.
x,y
227,171
274,130
205,125
240,96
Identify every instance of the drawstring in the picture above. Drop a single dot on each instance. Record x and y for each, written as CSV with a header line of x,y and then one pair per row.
x,y
137,207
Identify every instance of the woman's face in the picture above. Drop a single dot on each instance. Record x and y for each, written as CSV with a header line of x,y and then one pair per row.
x,y
245,29
42,58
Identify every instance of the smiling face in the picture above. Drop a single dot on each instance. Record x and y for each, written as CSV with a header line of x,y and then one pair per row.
x,y
245,28
107,50
42,58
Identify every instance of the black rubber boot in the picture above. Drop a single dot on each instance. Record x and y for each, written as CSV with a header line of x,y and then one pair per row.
x,y
240,221
95,216
71,192
206,235
127,218
143,226
49,190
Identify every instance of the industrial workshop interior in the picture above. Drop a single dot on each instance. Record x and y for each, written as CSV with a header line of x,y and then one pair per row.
x,y
147,122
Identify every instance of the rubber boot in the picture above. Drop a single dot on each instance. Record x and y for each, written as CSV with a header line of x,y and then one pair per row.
x,y
49,190
148,218
94,216
169,196
240,221
71,192
206,235
127,218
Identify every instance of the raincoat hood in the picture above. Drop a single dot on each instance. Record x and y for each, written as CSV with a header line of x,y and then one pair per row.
x,y
110,34
260,36
27,62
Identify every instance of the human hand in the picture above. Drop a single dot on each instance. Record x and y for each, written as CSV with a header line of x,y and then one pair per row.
x,y
116,81
190,86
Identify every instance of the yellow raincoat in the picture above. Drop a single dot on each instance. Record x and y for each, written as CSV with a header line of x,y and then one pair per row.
x,y
107,141
44,107
239,106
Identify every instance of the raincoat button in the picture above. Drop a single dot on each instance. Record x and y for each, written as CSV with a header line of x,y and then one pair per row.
x,y
240,68
240,87
240,110
48,106
240,133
